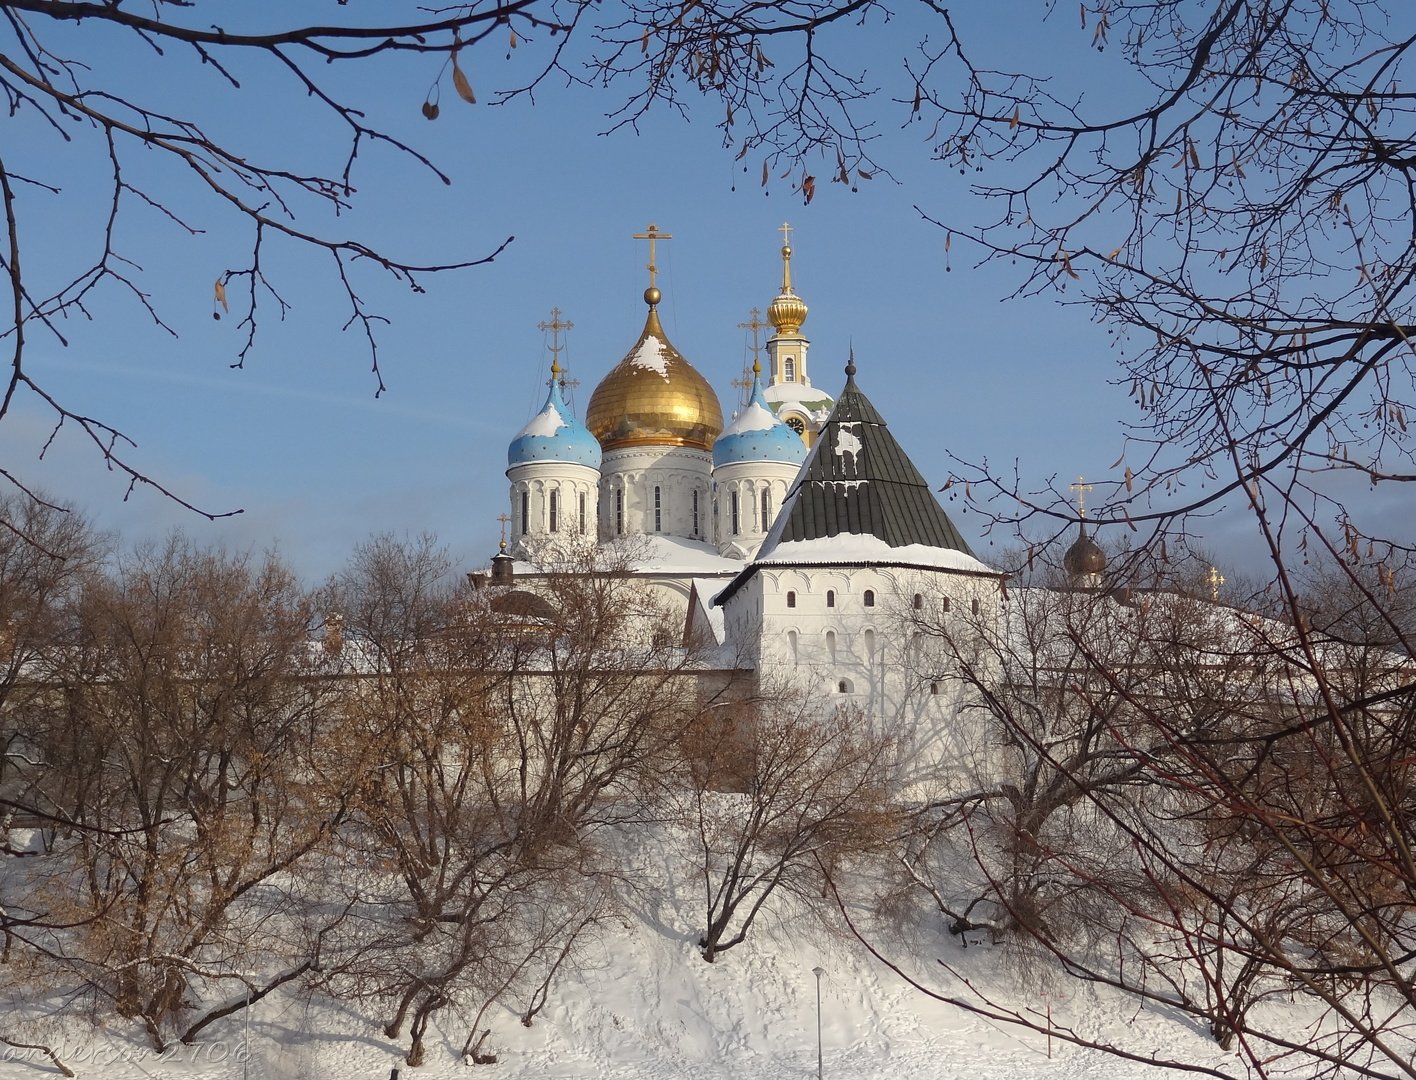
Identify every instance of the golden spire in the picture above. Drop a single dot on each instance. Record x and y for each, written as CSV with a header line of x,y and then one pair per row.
x,y
652,294
787,312
786,230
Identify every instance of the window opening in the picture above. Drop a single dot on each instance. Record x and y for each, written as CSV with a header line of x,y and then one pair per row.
x,y
789,369
658,509
973,606
525,512
766,507
733,506
918,601
791,598
869,597
554,509
619,511
830,597
580,506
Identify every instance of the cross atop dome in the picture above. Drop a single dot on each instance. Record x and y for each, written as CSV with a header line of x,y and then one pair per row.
x,y
652,294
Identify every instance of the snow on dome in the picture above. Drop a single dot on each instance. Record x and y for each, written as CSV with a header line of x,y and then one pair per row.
x,y
554,434
757,435
651,355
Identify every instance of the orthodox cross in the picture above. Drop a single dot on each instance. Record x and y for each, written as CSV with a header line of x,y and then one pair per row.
x,y
1215,579
505,520
652,234
1081,488
786,231
555,326
756,325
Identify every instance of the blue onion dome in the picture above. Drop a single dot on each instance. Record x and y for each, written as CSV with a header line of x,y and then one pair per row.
x,y
756,434
554,434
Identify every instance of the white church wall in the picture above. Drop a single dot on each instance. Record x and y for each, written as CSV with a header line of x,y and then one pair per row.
x,y
651,490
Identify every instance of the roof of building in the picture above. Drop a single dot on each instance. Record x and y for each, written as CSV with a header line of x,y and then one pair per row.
x,y
756,434
858,495
554,434
859,480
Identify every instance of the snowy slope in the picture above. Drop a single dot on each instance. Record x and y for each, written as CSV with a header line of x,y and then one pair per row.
x,y
642,1004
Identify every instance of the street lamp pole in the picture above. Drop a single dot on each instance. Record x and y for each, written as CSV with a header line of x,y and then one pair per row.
x,y
818,972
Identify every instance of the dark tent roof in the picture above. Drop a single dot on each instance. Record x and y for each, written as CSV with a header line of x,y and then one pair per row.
x,y
858,480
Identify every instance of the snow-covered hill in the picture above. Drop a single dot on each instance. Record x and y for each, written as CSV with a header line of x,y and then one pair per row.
x,y
642,1004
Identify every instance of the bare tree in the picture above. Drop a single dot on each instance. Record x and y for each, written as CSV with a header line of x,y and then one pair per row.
x,y
176,752
777,795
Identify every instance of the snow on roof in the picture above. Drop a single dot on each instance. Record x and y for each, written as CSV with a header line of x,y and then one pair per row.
x,y
652,356
860,548
753,418
675,555
704,589
545,423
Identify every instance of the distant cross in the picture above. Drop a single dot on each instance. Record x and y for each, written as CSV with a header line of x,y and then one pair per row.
x,y
1215,579
652,234
555,326
1081,488
505,520
786,231
756,325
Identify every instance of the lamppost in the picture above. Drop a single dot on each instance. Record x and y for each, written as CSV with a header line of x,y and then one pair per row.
x,y
818,972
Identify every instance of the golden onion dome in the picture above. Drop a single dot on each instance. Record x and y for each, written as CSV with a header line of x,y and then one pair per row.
x,y
788,311
654,397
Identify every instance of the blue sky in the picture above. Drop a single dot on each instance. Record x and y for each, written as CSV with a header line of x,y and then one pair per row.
x,y
296,438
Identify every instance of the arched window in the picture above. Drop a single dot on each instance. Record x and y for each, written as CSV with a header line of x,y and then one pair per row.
x,y
845,687
973,605
580,506
733,510
869,597
525,511
619,511
830,597
766,507
831,645
792,644
870,643
789,369
944,604
918,601
554,515
791,598
695,511
658,509
934,688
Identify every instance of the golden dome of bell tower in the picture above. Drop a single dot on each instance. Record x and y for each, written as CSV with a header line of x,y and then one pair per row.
x,y
789,391
654,397
788,311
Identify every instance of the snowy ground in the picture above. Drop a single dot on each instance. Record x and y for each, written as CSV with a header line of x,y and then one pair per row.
x,y
642,1004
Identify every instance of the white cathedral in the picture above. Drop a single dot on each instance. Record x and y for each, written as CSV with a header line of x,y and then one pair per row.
x,y
796,538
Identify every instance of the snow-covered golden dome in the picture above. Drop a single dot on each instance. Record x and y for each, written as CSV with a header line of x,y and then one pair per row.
x,y
654,397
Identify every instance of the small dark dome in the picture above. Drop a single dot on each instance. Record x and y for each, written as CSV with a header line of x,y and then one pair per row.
x,y
1084,556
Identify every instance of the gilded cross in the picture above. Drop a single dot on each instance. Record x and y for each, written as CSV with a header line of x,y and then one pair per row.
x,y
756,325
1081,487
652,234
555,326
1215,579
505,520
786,231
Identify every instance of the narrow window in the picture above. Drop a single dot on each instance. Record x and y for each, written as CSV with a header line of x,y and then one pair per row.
x,y
844,686
695,511
792,644
830,597
525,511
918,601
733,507
619,512
766,507
554,509
789,369
580,505
973,606
934,688
944,604
870,644
831,645
658,509
869,597
791,598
